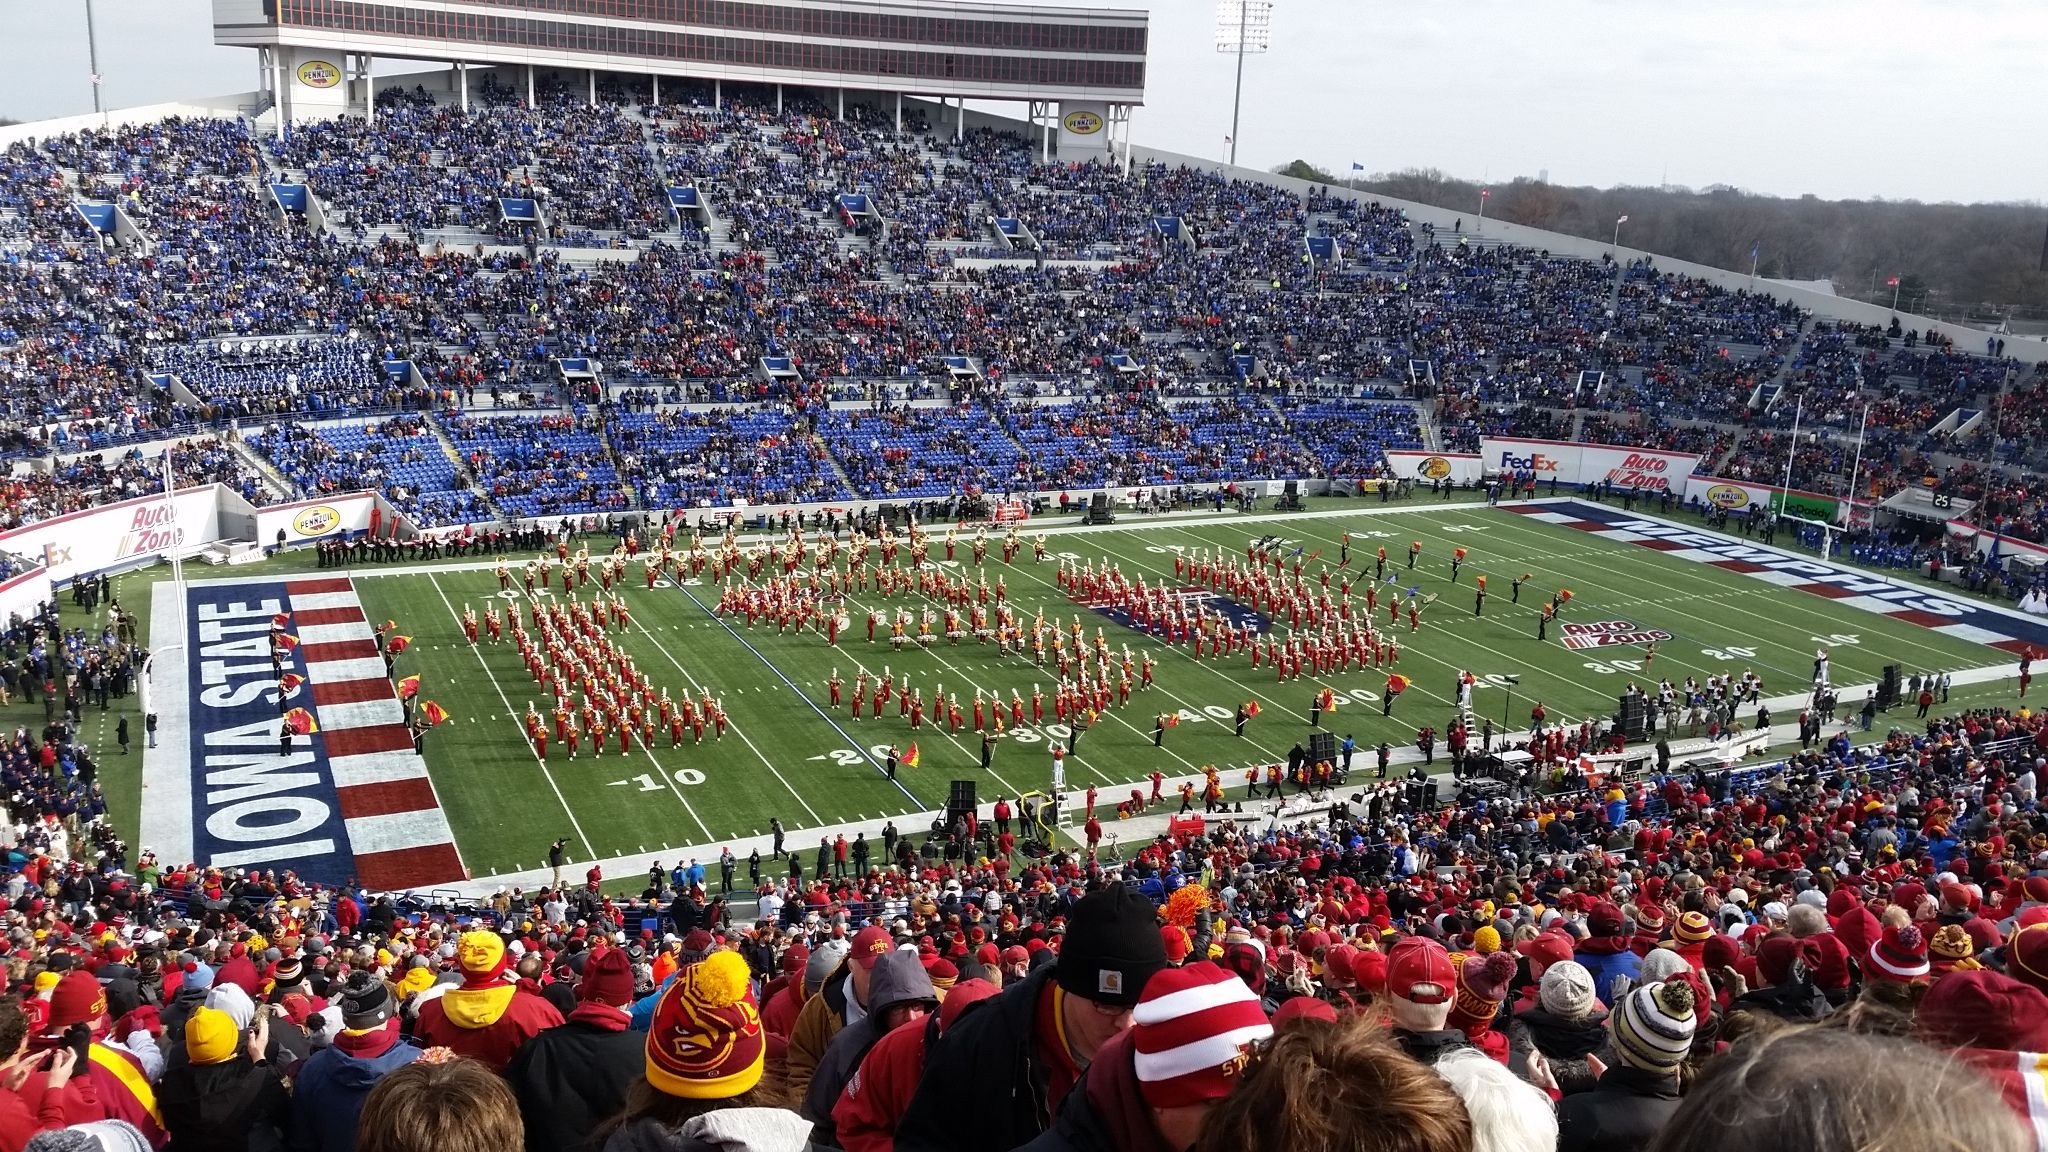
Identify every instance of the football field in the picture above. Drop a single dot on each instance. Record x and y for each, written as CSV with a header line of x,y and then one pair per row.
x,y
1710,604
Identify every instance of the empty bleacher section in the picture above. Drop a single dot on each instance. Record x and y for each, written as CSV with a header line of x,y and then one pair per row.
x,y
555,465
918,453
721,457
399,456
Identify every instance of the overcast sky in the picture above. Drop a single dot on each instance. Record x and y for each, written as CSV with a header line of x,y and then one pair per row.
x,y
1928,99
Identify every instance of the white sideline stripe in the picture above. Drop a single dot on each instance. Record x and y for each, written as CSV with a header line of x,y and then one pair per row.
x,y
336,633
397,831
166,824
307,601
1972,633
336,671
359,714
375,768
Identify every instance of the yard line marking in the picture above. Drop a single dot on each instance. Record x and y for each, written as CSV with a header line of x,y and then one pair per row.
x,y
856,745
736,730
546,774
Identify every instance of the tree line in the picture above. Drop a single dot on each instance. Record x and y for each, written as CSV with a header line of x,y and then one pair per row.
x,y
1955,261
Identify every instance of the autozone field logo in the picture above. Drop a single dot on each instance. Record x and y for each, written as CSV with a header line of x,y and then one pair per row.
x,y
1730,496
1579,636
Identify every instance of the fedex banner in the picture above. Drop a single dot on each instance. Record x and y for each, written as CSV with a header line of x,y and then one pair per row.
x,y
1457,467
310,520
120,535
1589,463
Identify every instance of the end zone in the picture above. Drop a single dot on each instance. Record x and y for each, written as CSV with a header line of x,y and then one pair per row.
x,y
349,802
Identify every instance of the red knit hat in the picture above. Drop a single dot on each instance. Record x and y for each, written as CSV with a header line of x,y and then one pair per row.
x,y
1899,955
1482,985
76,998
1175,938
706,1041
608,979
2026,957
1547,949
1693,929
1190,1032
1369,968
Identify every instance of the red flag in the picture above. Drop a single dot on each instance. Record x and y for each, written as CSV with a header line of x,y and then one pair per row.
x,y
1891,282
301,721
434,713
289,682
409,687
1396,684
1251,708
286,640
909,759
280,620
1173,721
397,644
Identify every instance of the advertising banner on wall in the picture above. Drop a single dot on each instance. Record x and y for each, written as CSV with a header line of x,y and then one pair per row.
x,y
1460,467
1589,463
119,535
310,520
23,594
1735,495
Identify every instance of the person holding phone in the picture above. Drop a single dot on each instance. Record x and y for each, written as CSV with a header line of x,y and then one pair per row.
x,y
28,1103
227,1096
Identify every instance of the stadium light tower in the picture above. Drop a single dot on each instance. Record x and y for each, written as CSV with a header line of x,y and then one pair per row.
x,y
1242,26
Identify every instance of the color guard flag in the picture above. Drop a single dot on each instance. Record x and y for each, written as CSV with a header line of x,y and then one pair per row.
x,y
301,722
1173,721
409,687
279,621
909,759
289,682
387,626
433,713
1396,684
1251,708
286,640
1891,282
397,644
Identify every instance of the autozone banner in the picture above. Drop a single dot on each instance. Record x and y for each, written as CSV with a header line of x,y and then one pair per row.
x,y
1459,467
1589,463
314,519
119,535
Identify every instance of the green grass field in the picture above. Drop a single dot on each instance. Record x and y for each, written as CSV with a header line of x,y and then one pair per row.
x,y
788,754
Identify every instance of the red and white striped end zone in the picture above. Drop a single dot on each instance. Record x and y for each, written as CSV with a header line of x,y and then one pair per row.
x,y
396,829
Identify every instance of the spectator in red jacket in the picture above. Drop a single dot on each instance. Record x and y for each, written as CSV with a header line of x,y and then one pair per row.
x,y
23,1115
880,1090
487,1017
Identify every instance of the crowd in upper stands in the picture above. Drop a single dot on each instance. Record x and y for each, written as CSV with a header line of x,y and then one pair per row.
x,y
1159,327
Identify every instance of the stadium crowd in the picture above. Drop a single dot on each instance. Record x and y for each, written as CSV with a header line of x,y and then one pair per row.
x,y
1859,934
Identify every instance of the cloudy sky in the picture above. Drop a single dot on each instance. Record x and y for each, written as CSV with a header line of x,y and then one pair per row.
x,y
1927,99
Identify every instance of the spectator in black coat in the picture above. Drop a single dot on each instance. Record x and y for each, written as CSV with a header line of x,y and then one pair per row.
x,y
1652,1030
573,1077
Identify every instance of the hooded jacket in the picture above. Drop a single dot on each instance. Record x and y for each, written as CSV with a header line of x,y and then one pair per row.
x,y
726,1130
898,978
986,1085
486,1017
875,1096
573,1077
817,1022
329,1090
1105,1112
235,1106
1564,1044
1623,1112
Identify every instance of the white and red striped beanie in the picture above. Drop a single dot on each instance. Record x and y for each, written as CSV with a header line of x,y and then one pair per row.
x,y
1899,955
1191,1030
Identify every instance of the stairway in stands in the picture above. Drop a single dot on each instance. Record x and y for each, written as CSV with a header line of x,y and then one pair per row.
x,y
462,469
273,480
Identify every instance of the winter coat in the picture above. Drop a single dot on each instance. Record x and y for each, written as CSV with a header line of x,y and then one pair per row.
x,y
484,1023
1564,1045
1797,1003
572,1078
23,1116
985,1084
1623,1112
330,1087
1104,1112
897,978
726,1130
236,1106
1606,962
1430,1047
864,1118
817,1022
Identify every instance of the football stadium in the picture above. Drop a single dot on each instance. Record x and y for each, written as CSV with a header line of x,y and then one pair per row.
x,y
597,485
